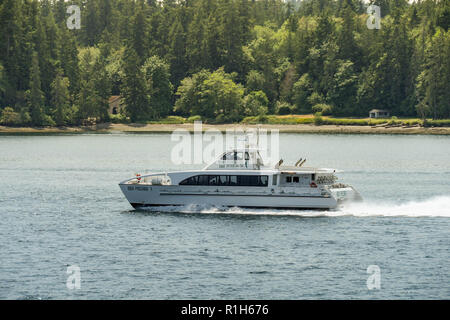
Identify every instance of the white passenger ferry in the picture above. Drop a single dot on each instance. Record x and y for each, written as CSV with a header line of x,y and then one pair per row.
x,y
239,178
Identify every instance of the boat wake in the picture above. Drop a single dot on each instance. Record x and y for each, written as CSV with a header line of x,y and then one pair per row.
x,y
435,207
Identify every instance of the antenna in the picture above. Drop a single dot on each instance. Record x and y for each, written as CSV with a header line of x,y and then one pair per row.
x,y
279,163
257,135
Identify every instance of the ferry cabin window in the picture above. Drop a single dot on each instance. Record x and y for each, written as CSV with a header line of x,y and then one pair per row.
x,y
203,180
223,180
292,179
213,180
236,156
228,156
241,180
190,181
264,180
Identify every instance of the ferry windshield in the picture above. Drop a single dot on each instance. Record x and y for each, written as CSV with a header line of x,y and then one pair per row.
x,y
227,180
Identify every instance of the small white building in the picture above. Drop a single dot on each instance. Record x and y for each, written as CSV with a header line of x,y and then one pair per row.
x,y
377,113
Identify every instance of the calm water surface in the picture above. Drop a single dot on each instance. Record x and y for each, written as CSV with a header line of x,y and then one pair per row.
x,y
60,205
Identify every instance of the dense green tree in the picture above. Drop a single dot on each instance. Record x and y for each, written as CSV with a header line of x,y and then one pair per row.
x,y
433,83
302,90
264,59
189,100
95,88
139,37
231,37
61,99
157,74
348,47
9,117
135,90
342,89
177,52
48,50
303,55
114,69
256,104
196,42
102,86
223,96
68,56
10,37
3,86
91,23
35,94
213,95
255,81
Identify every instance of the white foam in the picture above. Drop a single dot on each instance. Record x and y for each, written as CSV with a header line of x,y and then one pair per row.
x,y
435,207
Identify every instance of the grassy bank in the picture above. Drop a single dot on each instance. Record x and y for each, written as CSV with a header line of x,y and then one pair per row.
x,y
308,119
285,123
316,120
324,120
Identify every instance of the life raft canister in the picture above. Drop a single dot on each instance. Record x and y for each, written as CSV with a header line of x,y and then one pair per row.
x,y
313,184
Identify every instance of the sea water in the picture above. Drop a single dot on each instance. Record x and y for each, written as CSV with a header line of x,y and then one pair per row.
x,y
61,210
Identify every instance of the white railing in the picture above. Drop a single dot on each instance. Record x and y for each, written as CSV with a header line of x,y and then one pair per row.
x,y
149,179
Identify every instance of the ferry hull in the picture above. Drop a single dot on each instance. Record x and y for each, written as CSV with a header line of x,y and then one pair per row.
x,y
155,196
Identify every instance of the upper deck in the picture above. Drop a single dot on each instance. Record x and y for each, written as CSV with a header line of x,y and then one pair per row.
x,y
238,159
250,159
238,164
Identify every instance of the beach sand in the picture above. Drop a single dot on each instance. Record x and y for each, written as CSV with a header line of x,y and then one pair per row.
x,y
168,128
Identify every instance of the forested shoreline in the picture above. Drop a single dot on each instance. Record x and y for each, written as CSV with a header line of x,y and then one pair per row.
x,y
221,60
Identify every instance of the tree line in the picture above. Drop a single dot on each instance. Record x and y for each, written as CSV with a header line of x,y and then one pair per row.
x,y
221,60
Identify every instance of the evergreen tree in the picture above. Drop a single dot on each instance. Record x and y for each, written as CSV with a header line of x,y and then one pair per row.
x,y
135,90
95,88
196,44
348,48
231,37
102,87
9,41
61,98
157,74
138,38
433,84
68,56
4,86
314,54
177,51
35,94
91,23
